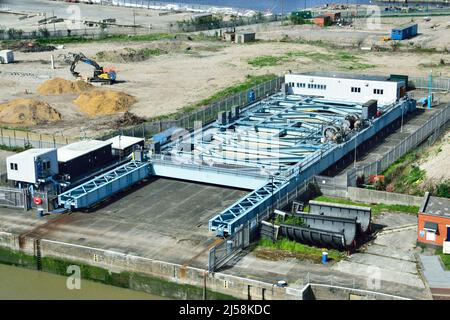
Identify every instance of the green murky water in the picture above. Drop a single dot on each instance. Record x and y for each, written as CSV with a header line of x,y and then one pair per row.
x,y
20,283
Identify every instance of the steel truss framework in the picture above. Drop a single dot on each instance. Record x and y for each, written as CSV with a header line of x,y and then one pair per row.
x,y
104,185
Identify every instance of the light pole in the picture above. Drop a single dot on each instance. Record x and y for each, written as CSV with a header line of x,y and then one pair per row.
x,y
401,127
354,161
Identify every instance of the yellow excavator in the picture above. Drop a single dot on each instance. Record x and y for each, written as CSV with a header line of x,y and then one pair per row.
x,y
101,75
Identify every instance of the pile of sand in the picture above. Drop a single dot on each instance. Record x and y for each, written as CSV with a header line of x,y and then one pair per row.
x,y
101,102
60,86
27,112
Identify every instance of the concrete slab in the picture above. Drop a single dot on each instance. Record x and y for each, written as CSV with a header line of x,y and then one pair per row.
x,y
384,263
378,250
162,219
395,220
358,269
400,240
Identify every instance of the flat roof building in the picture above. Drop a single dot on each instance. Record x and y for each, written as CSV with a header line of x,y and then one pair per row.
x,y
78,158
346,87
124,145
31,165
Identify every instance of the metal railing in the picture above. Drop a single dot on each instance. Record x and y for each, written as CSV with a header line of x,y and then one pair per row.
x,y
432,127
13,198
437,83
165,160
220,257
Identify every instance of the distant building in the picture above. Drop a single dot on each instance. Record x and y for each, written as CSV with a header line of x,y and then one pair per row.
x,y
244,37
434,222
322,21
334,16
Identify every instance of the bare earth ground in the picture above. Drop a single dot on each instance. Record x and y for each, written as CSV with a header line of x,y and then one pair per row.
x,y
366,32
168,82
437,164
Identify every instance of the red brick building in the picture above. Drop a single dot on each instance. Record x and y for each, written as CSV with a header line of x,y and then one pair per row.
x,y
434,222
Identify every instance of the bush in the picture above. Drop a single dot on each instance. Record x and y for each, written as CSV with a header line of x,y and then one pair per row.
x,y
44,33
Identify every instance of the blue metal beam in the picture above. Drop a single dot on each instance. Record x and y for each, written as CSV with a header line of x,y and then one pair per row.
x,y
103,186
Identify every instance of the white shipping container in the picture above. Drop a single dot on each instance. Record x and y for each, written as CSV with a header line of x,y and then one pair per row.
x,y
6,56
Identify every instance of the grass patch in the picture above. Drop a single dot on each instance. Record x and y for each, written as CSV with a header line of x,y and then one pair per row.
x,y
444,257
250,82
265,61
348,60
290,220
15,149
285,248
376,208
107,38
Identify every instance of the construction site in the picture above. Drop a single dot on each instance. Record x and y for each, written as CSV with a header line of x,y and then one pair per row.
x,y
267,177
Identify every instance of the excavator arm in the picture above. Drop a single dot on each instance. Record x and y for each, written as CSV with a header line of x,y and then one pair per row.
x,y
100,75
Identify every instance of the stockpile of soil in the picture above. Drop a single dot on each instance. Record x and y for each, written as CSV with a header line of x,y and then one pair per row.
x,y
102,102
27,112
128,119
57,86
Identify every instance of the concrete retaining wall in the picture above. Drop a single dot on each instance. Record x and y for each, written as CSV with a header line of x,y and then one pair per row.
x,y
328,292
374,196
118,262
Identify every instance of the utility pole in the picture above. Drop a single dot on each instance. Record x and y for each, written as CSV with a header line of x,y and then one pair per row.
x,y
134,21
54,26
282,11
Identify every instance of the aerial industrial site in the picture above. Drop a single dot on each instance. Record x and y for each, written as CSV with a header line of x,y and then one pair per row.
x,y
191,151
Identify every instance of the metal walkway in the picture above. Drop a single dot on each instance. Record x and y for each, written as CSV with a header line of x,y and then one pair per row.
x,y
247,208
103,186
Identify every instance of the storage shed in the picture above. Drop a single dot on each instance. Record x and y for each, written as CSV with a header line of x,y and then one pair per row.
x,y
244,37
404,32
6,56
82,157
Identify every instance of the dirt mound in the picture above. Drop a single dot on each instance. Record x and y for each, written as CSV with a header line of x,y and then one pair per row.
x,y
27,46
27,112
128,119
101,102
60,86
128,55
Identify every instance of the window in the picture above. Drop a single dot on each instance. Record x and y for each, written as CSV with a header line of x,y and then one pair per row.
x,y
356,89
46,165
13,166
309,85
378,91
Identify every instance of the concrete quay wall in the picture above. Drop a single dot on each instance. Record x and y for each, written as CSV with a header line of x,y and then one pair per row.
x,y
139,273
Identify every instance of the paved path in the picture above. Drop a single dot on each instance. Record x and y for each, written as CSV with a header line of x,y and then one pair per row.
x,y
434,273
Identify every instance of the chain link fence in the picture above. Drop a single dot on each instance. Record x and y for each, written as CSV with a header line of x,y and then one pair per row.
x,y
431,129
12,138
